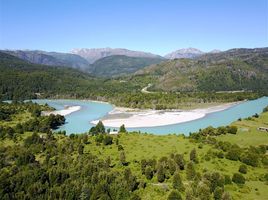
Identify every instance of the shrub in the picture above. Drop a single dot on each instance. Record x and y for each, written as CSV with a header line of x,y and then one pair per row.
x,y
243,169
238,178
233,153
160,174
193,156
227,180
218,193
250,158
174,195
177,182
232,129
190,171
149,173
107,140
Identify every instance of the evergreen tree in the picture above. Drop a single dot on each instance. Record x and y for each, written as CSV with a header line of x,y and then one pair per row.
x,y
190,171
193,156
122,129
160,173
218,193
177,182
149,173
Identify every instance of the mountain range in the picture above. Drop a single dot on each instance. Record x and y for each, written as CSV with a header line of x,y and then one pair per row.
x,y
108,62
91,55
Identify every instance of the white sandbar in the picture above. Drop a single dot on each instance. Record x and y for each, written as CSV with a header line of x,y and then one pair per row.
x,y
151,118
66,111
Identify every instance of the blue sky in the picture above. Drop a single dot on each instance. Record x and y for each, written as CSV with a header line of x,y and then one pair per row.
x,y
157,26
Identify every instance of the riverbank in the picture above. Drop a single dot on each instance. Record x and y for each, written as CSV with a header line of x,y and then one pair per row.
x,y
134,118
66,111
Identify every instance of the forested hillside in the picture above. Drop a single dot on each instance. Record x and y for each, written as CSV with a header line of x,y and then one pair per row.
x,y
121,65
237,69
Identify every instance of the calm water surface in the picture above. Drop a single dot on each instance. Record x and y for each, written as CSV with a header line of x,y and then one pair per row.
x,y
79,122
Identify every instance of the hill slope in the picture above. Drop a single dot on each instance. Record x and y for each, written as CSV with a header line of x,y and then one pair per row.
x,y
119,65
239,69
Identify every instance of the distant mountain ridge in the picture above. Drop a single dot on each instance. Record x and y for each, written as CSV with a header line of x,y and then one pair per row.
x,y
51,58
91,55
184,53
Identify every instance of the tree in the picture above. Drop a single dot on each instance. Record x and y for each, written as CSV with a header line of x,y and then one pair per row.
x,y
238,178
100,127
203,191
190,171
250,158
171,166
193,156
177,182
232,129
122,158
180,161
218,193
174,195
122,129
160,173
149,173
243,169
233,153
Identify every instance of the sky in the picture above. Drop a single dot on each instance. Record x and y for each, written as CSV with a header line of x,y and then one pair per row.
x,y
157,26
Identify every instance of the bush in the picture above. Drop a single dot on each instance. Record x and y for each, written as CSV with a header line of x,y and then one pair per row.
x,y
177,182
238,178
232,129
243,169
107,140
149,173
218,193
265,109
160,174
250,158
233,153
174,195
227,180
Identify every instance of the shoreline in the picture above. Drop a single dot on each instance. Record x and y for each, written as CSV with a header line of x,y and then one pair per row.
x,y
137,118
66,111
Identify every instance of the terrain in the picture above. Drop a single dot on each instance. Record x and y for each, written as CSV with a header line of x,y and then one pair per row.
x,y
23,80
220,163
236,69
119,65
94,54
51,58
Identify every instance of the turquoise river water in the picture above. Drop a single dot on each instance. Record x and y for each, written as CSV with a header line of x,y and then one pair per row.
x,y
79,121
